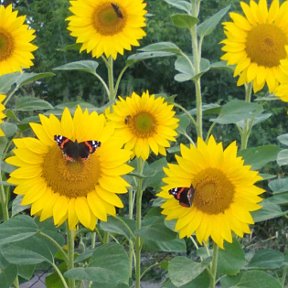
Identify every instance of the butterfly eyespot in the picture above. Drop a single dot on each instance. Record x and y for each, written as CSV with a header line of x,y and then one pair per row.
x,y
184,195
74,151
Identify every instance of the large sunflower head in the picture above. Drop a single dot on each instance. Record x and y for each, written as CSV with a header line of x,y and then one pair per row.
x,y
107,27
210,192
255,43
82,189
145,123
2,115
15,42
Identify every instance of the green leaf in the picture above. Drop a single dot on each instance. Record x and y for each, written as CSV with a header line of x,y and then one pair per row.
x,y
266,259
283,139
34,250
116,225
10,129
208,26
148,55
185,67
172,246
258,157
237,110
6,81
16,205
7,276
26,272
17,229
27,103
231,258
250,279
27,78
20,79
279,185
182,270
282,157
268,211
180,4
162,47
89,66
155,174
109,267
153,228
184,20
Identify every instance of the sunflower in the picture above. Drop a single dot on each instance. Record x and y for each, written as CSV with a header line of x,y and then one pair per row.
x,y
145,123
79,190
105,27
256,43
15,37
219,187
2,115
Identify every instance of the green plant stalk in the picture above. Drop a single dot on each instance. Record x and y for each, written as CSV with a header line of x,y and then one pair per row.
x,y
57,245
60,276
138,244
112,94
70,240
196,51
246,131
4,203
214,264
131,244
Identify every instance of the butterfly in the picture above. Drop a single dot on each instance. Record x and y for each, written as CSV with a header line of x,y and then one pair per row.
x,y
184,195
74,151
117,10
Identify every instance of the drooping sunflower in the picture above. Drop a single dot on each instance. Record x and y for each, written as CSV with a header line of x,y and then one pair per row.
x,y
145,123
15,42
256,43
81,190
2,115
222,192
107,28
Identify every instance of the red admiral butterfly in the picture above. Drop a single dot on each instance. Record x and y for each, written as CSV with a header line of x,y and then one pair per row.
x,y
183,194
117,10
74,150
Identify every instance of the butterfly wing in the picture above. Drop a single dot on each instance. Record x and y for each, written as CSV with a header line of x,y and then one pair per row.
x,y
88,147
68,147
183,194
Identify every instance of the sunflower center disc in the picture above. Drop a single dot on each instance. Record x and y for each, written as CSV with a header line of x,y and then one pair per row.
x,y
143,124
6,45
109,19
70,179
213,191
266,45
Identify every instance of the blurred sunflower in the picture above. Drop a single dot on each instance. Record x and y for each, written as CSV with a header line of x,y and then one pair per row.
x,y
2,115
255,43
105,27
222,197
79,190
15,37
145,123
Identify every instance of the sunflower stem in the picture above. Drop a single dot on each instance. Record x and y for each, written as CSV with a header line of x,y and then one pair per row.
x,y
65,285
70,240
112,94
138,244
246,131
196,51
213,268
131,244
4,202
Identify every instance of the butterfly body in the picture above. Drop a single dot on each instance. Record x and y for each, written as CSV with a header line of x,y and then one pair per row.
x,y
74,151
117,10
184,195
